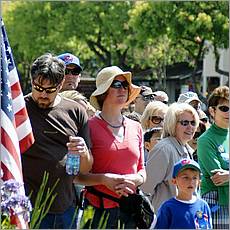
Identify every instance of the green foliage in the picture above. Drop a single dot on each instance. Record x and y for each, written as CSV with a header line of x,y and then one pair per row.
x,y
5,223
43,202
134,35
87,219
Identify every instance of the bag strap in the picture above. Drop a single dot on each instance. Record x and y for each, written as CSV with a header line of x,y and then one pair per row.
x,y
102,194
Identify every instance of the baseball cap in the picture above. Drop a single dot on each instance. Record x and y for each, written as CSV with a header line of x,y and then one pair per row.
x,y
185,163
146,91
188,97
69,58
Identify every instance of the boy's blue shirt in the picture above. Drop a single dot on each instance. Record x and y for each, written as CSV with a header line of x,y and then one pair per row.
x,y
174,214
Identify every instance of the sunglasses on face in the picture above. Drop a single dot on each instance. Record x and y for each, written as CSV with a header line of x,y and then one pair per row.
x,y
72,71
156,119
148,98
119,84
186,123
223,108
48,90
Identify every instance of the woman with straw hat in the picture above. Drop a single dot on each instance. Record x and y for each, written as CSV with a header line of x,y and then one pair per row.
x,y
117,148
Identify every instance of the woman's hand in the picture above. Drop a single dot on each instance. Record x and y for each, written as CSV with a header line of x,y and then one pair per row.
x,y
220,176
119,184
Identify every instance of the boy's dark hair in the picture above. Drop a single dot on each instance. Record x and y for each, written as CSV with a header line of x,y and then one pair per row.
x,y
149,133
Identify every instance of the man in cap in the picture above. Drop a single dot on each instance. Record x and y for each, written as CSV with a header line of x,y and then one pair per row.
x,y
190,98
142,100
72,72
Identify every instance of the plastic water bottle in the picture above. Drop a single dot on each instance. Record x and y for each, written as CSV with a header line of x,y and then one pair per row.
x,y
72,164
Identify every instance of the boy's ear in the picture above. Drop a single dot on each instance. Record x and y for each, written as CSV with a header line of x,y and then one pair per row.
x,y
147,145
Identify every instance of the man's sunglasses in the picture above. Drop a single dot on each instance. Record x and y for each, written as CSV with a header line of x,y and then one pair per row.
x,y
119,84
223,108
74,71
186,123
156,119
48,90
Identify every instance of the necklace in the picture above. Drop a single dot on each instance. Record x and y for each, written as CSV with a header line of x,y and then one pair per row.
x,y
113,126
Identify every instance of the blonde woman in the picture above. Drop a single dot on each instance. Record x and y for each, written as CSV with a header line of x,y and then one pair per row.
x,y
153,115
180,124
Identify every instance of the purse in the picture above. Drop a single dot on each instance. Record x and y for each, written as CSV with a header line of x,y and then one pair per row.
x,y
137,205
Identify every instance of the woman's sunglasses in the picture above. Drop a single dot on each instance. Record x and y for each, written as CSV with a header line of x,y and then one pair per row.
x,y
186,123
223,108
48,90
148,98
74,71
156,119
119,84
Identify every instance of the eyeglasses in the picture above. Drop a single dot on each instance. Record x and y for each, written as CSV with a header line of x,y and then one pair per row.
x,y
148,98
186,123
48,90
156,119
223,108
119,84
74,71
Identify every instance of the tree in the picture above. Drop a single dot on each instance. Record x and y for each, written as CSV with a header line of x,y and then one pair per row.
x,y
136,36
187,26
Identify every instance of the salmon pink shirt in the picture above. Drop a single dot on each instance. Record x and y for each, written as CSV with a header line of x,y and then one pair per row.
x,y
112,156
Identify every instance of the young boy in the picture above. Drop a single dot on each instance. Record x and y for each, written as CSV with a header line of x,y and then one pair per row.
x,y
185,211
151,137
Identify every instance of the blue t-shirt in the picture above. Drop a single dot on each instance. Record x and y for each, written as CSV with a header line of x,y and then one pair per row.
x,y
175,214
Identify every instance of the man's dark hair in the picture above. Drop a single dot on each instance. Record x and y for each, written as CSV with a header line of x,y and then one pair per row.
x,y
48,67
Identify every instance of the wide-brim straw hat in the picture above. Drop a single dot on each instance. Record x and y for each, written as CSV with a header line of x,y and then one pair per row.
x,y
104,80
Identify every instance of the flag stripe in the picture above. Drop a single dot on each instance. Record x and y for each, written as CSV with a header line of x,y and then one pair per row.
x,y
26,142
9,128
20,117
6,141
23,129
15,90
18,104
11,165
7,174
16,131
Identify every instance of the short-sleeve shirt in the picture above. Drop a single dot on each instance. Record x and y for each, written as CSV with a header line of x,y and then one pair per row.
x,y
52,128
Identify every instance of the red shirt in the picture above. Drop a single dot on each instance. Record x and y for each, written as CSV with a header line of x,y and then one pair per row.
x,y
112,156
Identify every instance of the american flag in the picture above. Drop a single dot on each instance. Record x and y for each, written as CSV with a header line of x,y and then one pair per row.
x,y
16,131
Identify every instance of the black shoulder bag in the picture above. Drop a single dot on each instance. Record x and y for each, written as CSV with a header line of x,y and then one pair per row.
x,y
137,205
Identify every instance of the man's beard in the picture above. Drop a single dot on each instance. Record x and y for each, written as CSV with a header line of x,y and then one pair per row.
x,y
43,103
